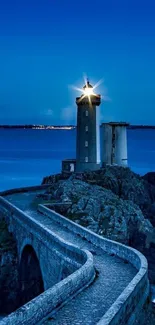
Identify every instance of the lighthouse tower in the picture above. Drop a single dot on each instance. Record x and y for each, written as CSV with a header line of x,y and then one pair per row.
x,y
88,130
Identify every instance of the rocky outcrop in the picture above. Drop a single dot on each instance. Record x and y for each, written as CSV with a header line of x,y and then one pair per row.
x,y
8,271
122,182
127,185
102,211
114,202
53,178
147,314
149,177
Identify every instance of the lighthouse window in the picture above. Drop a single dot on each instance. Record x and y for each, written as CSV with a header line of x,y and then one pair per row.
x,y
86,128
86,159
86,143
86,113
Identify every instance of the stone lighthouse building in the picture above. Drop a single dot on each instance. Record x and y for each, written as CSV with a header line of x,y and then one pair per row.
x,y
88,130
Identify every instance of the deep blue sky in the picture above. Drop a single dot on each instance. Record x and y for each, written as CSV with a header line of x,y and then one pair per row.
x,y
47,45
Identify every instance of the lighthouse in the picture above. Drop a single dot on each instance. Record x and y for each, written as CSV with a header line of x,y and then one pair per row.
x,y
88,130
113,137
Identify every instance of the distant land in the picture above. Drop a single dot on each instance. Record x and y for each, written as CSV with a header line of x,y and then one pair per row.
x,y
141,126
63,127
38,126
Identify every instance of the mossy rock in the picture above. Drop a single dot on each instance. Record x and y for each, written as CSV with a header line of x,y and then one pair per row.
x,y
7,241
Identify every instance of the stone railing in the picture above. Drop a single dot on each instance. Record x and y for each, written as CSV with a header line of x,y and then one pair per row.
x,y
24,189
41,306
126,308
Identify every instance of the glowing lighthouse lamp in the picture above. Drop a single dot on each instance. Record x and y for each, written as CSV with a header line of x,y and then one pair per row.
x,y
88,89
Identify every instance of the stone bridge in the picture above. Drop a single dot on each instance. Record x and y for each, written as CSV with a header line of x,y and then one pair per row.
x,y
76,276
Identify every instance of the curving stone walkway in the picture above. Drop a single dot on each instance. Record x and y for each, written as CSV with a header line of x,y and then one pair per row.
x,y
113,274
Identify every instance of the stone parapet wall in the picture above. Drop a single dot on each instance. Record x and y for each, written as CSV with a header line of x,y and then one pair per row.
x,y
125,252
24,189
82,260
126,309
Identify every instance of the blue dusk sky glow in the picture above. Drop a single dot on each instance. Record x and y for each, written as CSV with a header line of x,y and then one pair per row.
x,y
46,46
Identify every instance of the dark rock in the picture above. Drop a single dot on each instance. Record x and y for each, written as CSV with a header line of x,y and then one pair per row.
x,y
44,196
102,211
150,178
52,179
9,284
127,185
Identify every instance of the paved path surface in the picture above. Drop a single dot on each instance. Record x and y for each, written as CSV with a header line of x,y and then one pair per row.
x,y
114,274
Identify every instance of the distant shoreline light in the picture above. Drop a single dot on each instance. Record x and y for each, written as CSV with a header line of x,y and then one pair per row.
x,y
40,127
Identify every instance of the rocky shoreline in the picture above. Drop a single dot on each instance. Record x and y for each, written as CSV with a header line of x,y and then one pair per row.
x,y
9,281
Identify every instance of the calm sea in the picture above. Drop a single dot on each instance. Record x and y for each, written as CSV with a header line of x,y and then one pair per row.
x,y
26,156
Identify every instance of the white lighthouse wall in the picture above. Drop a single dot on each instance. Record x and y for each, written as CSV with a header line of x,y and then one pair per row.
x,y
88,141
106,144
98,155
121,146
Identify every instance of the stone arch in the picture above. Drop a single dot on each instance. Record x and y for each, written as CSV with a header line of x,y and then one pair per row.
x,y
30,275
27,241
